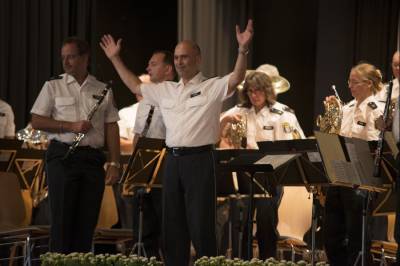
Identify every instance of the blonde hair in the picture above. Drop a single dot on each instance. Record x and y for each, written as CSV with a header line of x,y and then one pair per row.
x,y
370,72
259,81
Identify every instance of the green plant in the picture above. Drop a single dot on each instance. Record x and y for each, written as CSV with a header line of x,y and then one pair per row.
x,y
87,259
222,261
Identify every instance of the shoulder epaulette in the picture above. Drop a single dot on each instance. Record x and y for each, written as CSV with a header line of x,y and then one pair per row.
x,y
55,77
276,111
288,109
372,105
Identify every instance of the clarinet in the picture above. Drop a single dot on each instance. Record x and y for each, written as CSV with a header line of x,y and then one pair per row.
x,y
379,148
132,157
78,138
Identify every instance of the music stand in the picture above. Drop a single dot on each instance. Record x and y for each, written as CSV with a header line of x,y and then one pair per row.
x,y
8,152
305,170
252,162
349,161
385,203
143,171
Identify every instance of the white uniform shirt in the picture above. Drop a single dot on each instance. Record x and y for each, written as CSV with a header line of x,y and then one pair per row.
x,y
7,126
382,94
277,122
127,120
156,128
359,122
190,112
65,100
396,122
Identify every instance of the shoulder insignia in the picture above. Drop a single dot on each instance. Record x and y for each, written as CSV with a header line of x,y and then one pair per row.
x,y
2,114
288,109
55,77
361,123
372,105
268,127
276,111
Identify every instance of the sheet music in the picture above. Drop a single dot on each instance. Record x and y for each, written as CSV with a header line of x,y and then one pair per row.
x,y
276,160
314,157
346,172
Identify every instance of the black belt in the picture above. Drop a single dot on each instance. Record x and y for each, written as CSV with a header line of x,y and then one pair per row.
x,y
181,151
66,145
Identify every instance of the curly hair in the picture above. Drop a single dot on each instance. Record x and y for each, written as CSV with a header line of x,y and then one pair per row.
x,y
260,81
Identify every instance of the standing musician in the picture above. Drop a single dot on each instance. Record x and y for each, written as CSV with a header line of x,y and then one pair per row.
x,y
266,120
190,109
395,70
160,68
343,217
76,183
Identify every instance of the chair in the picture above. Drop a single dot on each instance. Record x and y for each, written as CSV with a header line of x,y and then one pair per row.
x,y
108,217
386,249
14,220
294,213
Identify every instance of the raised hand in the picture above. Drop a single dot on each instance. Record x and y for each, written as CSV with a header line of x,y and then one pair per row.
x,y
244,38
109,46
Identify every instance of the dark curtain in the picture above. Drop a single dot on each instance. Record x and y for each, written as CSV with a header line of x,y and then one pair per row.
x,y
31,35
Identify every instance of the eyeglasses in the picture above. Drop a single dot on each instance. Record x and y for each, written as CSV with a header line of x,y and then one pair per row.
x,y
355,82
254,91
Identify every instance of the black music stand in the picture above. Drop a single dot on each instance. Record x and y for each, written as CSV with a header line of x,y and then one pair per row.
x,y
8,151
305,170
349,161
252,162
143,171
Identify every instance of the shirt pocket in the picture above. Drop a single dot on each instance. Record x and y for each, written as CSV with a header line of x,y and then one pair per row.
x,y
196,102
65,107
167,104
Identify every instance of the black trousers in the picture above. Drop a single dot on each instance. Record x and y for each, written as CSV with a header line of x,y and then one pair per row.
x,y
267,221
188,207
343,225
151,227
76,187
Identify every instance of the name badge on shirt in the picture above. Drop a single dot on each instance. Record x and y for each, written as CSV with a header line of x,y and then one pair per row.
x,y
2,114
194,94
361,123
268,127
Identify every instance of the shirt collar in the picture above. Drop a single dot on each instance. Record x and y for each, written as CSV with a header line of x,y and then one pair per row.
x,y
364,104
263,112
195,80
70,79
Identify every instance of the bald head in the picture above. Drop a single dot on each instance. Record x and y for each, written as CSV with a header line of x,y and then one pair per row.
x,y
396,64
187,59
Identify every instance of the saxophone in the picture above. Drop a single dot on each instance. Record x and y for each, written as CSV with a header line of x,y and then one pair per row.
x,y
78,138
331,121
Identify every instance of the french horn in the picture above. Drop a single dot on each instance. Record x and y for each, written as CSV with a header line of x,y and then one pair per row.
x,y
331,121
